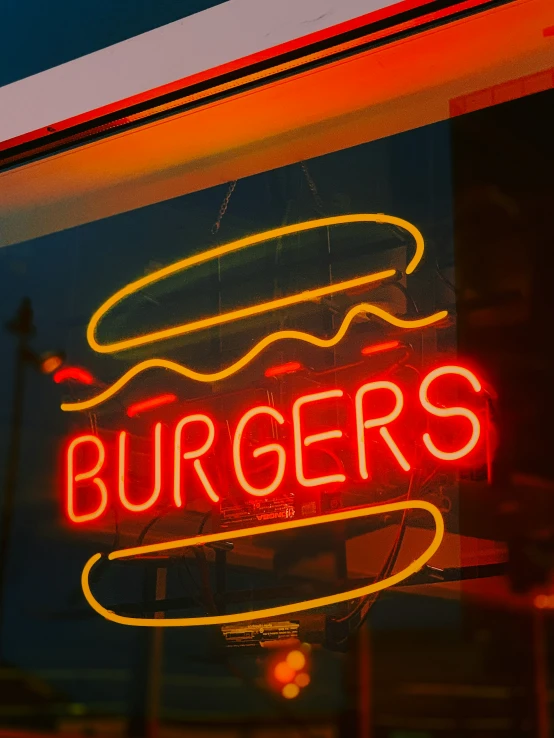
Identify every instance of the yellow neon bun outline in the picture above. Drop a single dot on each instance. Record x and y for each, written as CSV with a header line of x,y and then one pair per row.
x,y
269,612
184,371
235,246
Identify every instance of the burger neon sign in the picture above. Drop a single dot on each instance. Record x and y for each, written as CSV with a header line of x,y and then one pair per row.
x,y
270,448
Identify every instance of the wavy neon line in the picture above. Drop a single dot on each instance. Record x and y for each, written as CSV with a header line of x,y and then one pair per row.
x,y
235,246
362,308
268,612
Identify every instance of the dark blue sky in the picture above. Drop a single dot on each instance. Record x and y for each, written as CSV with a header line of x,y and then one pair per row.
x,y
36,35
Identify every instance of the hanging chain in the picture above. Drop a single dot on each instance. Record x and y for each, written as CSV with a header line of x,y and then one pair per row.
x,y
224,206
313,188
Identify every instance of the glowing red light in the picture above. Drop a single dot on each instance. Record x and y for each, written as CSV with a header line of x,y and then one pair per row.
x,y
289,674
363,424
145,405
368,427
72,479
449,412
275,371
283,672
301,441
379,347
157,472
268,448
195,455
73,373
544,601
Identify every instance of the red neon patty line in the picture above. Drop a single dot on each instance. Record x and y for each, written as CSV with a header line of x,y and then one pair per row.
x,y
288,368
210,377
150,404
378,347
73,373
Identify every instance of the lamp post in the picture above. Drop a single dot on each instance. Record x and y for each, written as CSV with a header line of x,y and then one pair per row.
x,y
23,328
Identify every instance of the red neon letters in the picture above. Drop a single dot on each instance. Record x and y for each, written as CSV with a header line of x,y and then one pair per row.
x,y
301,441
121,472
450,412
192,454
378,417
72,479
362,424
267,449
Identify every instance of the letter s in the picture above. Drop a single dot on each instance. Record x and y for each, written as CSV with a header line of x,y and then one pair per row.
x,y
450,412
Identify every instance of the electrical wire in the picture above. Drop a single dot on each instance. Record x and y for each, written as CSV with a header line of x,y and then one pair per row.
x,y
444,279
183,560
366,603
115,544
150,524
409,299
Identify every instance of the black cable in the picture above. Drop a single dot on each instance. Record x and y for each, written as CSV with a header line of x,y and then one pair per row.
x,y
444,279
366,603
149,525
183,559
115,544
205,519
409,299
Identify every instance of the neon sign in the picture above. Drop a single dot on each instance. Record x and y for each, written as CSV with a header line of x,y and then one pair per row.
x,y
268,612
87,478
306,296
257,309
317,441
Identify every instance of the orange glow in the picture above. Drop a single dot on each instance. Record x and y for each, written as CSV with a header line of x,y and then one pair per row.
x,y
269,612
179,455
450,412
364,308
296,660
362,424
302,680
74,373
283,672
275,371
544,602
380,347
269,448
50,364
290,691
72,479
234,247
150,404
300,441
157,472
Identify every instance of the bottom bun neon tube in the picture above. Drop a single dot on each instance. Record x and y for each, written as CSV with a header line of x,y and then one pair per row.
x,y
269,612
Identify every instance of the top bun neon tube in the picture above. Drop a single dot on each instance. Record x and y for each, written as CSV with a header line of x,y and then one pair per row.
x,y
260,308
